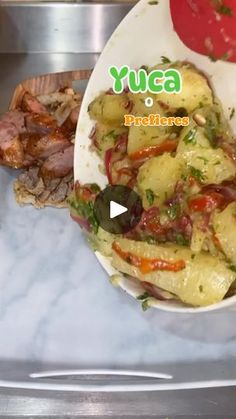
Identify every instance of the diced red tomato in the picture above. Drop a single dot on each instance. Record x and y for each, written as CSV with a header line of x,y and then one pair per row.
x,y
207,26
206,203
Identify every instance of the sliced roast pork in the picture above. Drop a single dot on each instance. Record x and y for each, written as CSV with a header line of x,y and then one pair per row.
x,y
40,124
31,104
59,164
30,188
42,147
16,118
11,149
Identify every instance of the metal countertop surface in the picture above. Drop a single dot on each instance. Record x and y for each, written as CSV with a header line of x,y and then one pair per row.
x,y
19,66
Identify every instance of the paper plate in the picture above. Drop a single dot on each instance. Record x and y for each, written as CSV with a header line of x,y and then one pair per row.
x,y
142,38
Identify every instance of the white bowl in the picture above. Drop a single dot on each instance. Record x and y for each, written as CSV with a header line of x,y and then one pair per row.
x,y
142,38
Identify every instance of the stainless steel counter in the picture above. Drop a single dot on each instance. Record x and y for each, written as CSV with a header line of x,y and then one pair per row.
x,y
58,27
16,67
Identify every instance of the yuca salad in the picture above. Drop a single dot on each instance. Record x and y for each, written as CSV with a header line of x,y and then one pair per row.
x,y
184,247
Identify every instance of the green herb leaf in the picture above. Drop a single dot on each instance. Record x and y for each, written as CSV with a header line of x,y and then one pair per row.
x,y
184,177
190,137
143,296
232,267
110,135
203,159
165,60
95,188
153,2
173,211
181,240
210,130
145,305
150,196
232,113
212,58
197,174
223,57
85,210
225,10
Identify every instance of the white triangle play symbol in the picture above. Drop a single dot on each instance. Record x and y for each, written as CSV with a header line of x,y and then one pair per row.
x,y
116,209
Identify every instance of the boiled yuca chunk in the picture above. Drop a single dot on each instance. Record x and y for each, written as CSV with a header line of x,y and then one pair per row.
x,y
224,224
142,137
195,91
139,107
205,280
159,175
109,109
212,165
106,136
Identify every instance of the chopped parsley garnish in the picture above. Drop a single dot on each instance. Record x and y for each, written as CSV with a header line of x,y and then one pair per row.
x,y
184,177
150,196
173,211
181,112
223,57
86,210
197,174
94,187
203,159
110,135
232,113
181,240
232,267
200,288
190,137
210,131
145,305
165,60
153,2
144,298
212,58
223,9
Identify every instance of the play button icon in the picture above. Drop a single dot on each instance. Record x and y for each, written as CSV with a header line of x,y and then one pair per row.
x,y
118,209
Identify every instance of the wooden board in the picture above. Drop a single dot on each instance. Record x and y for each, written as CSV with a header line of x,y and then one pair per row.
x,y
46,84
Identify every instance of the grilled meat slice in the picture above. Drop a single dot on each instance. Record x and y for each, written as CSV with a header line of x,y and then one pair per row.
x,y
31,189
11,149
59,164
43,147
40,124
31,104
70,123
16,118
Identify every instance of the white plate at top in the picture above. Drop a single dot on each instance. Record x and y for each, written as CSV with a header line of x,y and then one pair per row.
x,y
145,35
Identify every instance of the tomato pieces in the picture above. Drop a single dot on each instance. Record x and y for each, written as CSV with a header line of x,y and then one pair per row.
x,y
206,26
155,150
146,265
206,203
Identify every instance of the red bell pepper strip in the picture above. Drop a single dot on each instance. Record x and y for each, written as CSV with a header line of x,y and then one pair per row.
x,y
155,150
146,265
